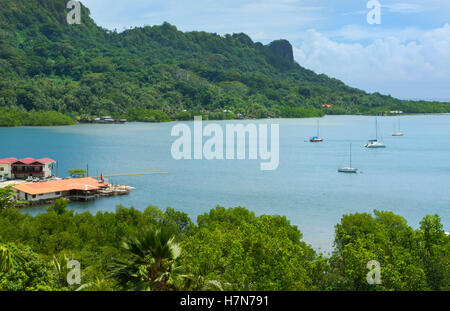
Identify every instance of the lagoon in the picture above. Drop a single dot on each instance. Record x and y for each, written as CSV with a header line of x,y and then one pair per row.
x,y
411,177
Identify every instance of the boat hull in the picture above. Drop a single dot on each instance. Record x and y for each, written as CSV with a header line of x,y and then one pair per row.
x,y
348,170
374,145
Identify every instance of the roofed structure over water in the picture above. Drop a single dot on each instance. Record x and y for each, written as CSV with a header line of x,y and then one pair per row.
x,y
72,188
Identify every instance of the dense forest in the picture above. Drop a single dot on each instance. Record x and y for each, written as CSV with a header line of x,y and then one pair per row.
x,y
226,249
158,73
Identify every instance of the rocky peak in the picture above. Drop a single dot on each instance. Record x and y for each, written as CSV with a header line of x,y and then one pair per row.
x,y
283,49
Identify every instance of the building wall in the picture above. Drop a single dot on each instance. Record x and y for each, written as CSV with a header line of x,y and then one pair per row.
x,y
5,170
48,170
48,196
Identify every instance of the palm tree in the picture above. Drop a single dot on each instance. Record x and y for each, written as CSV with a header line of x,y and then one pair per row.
x,y
8,259
61,269
152,262
199,283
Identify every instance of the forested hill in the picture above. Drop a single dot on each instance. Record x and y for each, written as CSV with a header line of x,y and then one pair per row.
x,y
156,73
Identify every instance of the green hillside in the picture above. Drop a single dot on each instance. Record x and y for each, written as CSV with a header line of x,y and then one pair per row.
x,y
159,73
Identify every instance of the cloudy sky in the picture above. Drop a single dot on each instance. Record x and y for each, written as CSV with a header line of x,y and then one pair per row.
x,y
407,55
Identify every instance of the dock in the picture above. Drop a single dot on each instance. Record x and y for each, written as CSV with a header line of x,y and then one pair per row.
x,y
73,189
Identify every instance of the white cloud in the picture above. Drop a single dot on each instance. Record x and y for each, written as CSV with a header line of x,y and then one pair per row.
x,y
363,33
400,56
400,65
262,19
404,8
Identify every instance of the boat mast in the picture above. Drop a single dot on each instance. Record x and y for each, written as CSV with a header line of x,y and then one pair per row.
x,y
350,155
318,129
376,128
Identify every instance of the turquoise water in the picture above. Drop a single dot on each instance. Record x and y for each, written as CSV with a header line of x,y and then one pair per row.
x,y
411,177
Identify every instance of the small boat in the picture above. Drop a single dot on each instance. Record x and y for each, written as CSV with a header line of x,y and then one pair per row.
x,y
399,132
316,139
349,169
374,143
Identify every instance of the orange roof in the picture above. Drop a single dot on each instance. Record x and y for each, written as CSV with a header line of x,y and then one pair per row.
x,y
60,186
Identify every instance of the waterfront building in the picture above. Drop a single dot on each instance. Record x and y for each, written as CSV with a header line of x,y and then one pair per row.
x,y
13,168
73,188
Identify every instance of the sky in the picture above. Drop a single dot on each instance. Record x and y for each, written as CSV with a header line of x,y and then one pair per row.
x,y
406,54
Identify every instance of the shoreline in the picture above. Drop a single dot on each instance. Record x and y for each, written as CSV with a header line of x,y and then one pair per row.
x,y
245,119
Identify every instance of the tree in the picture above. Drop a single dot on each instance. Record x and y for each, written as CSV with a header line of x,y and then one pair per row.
x,y
79,173
386,238
8,259
7,198
59,207
29,272
435,252
44,68
150,263
235,247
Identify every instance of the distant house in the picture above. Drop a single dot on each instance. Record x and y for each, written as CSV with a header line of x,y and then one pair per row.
x,y
327,106
23,168
72,188
108,120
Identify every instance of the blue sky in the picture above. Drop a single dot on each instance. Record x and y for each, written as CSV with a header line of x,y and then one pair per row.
x,y
407,55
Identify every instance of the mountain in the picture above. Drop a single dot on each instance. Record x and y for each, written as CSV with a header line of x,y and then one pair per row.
x,y
160,73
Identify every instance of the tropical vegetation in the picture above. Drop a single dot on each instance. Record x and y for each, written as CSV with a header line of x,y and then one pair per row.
x,y
226,249
158,73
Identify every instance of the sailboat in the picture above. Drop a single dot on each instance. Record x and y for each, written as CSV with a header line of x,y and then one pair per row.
x,y
399,133
349,169
316,139
374,143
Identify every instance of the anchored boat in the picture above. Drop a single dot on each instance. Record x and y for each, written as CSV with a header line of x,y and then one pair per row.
x,y
349,169
374,143
399,132
317,139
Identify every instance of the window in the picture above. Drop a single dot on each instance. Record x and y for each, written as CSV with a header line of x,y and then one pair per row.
x,y
34,196
2,169
57,193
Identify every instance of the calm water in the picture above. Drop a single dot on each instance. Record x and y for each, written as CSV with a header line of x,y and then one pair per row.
x,y
411,177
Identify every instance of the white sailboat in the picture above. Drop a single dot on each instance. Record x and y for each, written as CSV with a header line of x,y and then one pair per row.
x,y
374,143
349,169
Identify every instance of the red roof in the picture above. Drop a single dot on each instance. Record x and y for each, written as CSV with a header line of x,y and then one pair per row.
x,y
46,160
26,161
8,161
